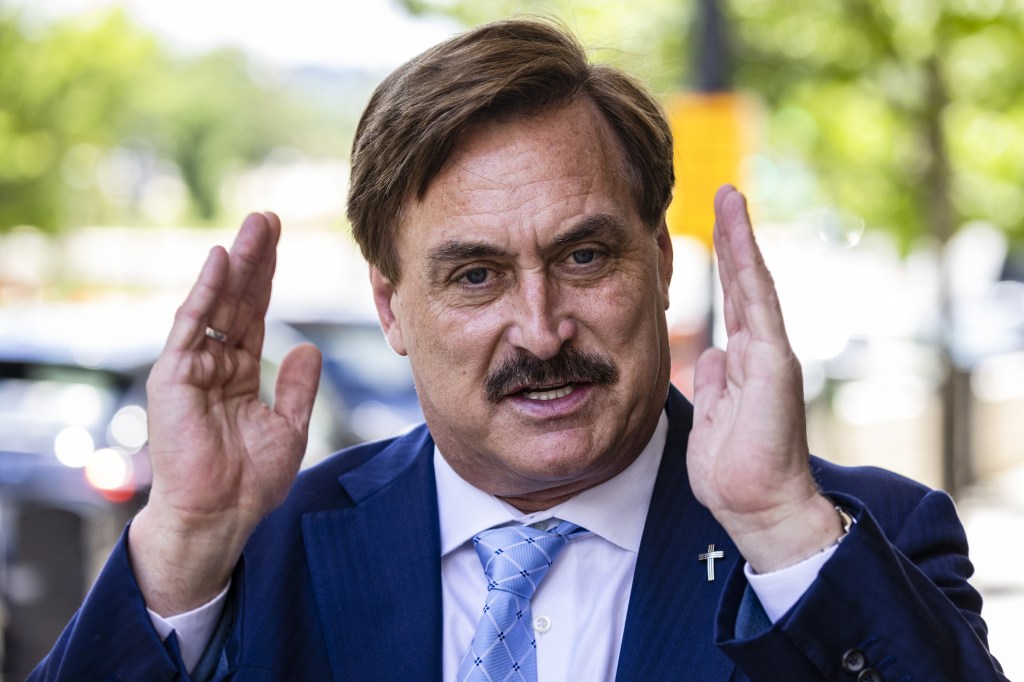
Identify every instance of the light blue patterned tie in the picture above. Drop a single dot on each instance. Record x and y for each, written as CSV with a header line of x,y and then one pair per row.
x,y
515,560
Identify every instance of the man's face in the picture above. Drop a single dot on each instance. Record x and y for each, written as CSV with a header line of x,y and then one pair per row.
x,y
531,306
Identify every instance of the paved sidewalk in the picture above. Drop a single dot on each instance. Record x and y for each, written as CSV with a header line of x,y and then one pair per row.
x,y
993,513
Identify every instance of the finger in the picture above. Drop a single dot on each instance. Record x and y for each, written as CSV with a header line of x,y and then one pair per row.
x,y
708,382
254,258
297,383
248,275
720,196
256,298
251,340
732,309
191,318
754,300
261,299
250,322
727,277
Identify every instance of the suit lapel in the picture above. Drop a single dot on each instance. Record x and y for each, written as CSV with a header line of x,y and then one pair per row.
x,y
670,622
383,623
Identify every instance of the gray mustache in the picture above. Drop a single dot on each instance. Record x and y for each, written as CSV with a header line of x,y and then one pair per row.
x,y
570,366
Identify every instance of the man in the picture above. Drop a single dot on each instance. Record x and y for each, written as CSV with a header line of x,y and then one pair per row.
x,y
510,200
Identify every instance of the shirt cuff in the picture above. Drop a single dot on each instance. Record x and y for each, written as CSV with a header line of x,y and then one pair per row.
x,y
193,628
779,590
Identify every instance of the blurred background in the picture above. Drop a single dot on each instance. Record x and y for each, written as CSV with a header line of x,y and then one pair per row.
x,y
880,143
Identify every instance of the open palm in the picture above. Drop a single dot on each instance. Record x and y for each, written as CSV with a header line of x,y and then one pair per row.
x,y
221,458
747,454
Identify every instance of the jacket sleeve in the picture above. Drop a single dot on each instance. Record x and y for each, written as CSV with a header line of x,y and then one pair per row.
x,y
896,606
112,637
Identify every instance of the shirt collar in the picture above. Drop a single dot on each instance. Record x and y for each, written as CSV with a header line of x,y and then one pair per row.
x,y
614,510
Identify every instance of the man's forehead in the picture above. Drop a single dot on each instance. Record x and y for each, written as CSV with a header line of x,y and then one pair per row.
x,y
579,126
548,177
567,151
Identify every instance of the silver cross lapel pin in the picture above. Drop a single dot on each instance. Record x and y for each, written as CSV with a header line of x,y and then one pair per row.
x,y
710,557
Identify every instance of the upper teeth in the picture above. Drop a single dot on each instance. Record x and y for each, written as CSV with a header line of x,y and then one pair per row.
x,y
550,394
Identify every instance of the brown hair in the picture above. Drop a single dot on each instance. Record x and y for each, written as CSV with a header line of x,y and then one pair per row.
x,y
514,67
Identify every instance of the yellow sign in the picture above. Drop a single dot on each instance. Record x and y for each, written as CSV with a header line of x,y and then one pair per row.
x,y
712,136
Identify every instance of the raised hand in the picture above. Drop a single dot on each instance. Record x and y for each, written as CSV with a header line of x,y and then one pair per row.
x,y
221,458
748,454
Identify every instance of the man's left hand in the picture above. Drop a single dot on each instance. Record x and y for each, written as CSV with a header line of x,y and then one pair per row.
x,y
748,454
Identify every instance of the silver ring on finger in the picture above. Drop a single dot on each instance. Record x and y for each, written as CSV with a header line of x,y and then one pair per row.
x,y
216,335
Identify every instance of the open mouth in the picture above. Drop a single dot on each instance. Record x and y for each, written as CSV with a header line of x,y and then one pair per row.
x,y
547,393
527,377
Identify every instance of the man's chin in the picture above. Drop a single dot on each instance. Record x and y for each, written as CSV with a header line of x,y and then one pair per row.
x,y
543,482
556,457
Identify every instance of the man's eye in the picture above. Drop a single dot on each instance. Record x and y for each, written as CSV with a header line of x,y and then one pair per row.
x,y
475,276
583,256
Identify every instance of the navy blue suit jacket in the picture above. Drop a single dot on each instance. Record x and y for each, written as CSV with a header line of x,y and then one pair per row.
x,y
343,583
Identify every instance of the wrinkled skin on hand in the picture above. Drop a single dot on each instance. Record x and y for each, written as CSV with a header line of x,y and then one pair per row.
x,y
221,458
748,454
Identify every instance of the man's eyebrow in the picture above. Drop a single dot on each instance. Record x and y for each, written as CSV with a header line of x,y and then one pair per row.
x,y
597,226
455,250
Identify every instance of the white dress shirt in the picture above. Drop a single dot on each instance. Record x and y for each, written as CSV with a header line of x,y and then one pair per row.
x,y
579,610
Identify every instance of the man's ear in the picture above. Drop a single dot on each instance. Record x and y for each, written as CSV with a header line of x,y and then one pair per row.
x,y
389,309
664,260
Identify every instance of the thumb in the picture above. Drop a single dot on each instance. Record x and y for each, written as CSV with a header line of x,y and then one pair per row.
x,y
297,383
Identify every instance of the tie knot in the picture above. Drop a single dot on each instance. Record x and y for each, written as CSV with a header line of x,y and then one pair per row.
x,y
516,558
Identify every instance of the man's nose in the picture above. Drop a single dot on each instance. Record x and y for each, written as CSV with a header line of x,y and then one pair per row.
x,y
540,325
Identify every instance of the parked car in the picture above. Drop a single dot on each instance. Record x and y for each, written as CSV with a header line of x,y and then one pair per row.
x,y
374,381
74,463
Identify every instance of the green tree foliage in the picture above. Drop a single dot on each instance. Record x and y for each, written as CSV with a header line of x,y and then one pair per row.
x,y
647,37
60,89
908,113
909,110
90,110
207,116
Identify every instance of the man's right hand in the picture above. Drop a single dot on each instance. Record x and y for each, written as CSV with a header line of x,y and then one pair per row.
x,y
221,459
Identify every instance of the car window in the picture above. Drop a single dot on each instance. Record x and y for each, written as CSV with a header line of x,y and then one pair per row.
x,y
37,401
366,356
